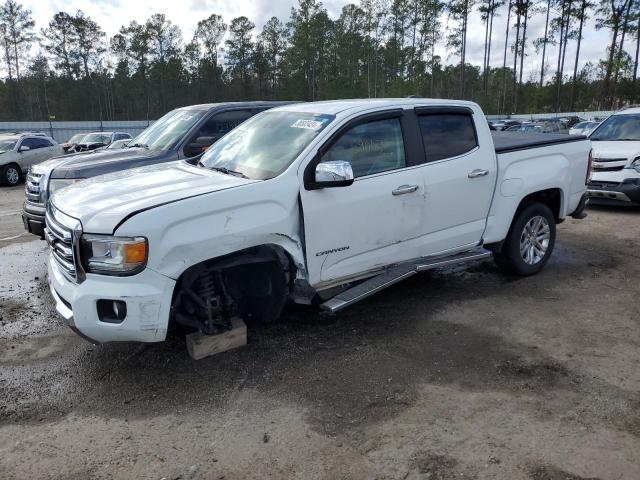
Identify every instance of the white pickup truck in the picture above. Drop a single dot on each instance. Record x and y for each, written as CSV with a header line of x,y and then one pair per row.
x,y
318,203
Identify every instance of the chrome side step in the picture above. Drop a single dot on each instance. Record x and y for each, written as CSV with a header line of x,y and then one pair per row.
x,y
395,274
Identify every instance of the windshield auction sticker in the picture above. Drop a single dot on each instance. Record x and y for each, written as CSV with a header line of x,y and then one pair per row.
x,y
308,124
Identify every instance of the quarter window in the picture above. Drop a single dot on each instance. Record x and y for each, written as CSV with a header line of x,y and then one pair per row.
x,y
447,135
372,147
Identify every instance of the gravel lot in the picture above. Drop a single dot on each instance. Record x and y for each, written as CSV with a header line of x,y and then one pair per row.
x,y
457,373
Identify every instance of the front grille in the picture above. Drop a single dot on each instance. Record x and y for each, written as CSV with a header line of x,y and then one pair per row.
x,y
607,160
60,236
598,168
32,188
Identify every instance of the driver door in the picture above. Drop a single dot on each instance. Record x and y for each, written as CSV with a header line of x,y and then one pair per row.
x,y
361,227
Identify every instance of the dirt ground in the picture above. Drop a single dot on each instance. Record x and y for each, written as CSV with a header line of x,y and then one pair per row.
x,y
457,373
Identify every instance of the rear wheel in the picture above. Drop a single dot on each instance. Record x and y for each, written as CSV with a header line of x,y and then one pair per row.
x,y
530,241
10,174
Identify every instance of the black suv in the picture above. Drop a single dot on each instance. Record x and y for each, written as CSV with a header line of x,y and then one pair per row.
x,y
182,134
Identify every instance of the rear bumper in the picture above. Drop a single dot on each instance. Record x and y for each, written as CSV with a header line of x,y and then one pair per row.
x,y
33,219
626,192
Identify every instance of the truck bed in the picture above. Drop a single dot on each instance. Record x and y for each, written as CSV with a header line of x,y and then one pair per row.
x,y
512,141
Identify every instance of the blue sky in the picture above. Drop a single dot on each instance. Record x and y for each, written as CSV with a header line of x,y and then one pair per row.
x,y
111,14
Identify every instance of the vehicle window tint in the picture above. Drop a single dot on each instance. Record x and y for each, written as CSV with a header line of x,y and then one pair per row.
x,y
214,129
34,143
223,122
370,148
447,135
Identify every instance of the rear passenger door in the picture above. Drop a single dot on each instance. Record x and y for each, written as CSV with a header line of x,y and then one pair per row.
x,y
459,176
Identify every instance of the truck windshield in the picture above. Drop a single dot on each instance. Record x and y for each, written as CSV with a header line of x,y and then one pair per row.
x,y
265,145
618,128
166,132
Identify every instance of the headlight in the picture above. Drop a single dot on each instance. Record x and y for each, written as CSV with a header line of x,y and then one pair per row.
x,y
113,255
636,164
56,184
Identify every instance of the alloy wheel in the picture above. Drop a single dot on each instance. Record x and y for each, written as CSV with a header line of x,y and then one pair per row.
x,y
534,240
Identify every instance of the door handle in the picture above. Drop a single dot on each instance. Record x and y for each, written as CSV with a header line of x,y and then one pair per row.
x,y
478,173
402,189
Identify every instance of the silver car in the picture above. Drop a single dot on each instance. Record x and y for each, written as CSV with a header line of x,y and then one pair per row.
x,y
19,151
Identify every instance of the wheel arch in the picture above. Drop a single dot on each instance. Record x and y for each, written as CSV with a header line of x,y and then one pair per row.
x,y
551,197
258,256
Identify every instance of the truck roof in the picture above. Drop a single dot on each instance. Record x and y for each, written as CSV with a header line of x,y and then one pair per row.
x,y
334,107
256,103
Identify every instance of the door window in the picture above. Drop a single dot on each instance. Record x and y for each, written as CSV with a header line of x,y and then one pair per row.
x,y
370,148
34,143
213,129
447,135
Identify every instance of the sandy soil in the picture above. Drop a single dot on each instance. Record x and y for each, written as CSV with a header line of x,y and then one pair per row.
x,y
457,373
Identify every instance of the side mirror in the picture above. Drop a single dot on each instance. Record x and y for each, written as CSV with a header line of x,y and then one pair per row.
x,y
333,174
24,148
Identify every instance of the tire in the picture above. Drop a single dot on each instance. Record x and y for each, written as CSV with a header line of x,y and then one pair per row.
x,y
10,175
530,241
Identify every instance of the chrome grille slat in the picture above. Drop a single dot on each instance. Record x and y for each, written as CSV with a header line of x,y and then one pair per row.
x,y
68,266
32,188
60,237
58,230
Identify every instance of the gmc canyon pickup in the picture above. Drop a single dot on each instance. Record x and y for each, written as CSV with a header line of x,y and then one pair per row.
x,y
320,203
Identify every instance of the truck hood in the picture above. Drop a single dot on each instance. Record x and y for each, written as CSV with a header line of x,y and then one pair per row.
x,y
102,202
623,150
90,164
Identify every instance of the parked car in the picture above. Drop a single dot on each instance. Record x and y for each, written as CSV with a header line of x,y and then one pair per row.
x,y
501,125
535,128
20,151
583,128
616,159
570,121
323,202
118,144
182,133
92,141
73,141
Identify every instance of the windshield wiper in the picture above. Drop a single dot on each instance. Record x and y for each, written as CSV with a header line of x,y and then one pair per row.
x,y
138,145
226,171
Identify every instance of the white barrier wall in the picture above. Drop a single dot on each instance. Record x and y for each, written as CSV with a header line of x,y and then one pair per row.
x,y
62,131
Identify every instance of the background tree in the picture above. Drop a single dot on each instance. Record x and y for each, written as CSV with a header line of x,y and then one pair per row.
x,y
18,31
240,51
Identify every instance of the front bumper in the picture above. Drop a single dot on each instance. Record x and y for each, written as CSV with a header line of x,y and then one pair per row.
x,y
33,218
147,295
626,192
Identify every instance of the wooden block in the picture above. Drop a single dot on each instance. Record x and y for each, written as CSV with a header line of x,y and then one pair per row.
x,y
200,345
